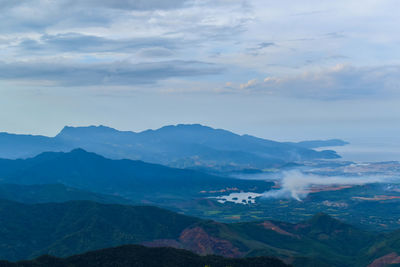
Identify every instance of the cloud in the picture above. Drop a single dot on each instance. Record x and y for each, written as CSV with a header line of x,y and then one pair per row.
x,y
265,44
155,52
251,39
128,4
5,4
297,185
250,84
115,4
116,73
40,15
80,43
336,83
260,47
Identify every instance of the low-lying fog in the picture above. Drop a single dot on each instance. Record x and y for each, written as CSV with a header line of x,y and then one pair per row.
x,y
296,184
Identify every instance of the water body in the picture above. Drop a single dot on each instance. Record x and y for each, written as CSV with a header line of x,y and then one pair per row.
x,y
244,198
369,150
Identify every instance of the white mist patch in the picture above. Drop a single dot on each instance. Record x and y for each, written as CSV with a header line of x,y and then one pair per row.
x,y
297,185
239,198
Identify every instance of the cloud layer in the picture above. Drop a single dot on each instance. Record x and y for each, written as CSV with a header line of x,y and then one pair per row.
x,y
116,73
297,185
338,82
329,51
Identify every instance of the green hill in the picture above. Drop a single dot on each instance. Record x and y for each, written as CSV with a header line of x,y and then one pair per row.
x,y
129,178
139,256
64,229
42,193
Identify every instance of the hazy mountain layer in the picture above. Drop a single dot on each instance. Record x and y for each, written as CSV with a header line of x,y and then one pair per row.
x,y
133,179
42,193
177,146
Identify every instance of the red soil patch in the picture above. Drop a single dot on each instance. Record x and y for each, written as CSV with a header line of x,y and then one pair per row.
x,y
386,260
200,242
270,226
329,188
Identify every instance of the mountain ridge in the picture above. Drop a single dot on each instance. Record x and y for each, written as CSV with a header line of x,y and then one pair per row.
x,y
182,145
133,179
139,256
64,229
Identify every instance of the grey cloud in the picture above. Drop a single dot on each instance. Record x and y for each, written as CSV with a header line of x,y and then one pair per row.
x,y
334,35
5,4
117,73
214,32
73,42
256,50
38,15
114,4
129,4
311,13
340,82
265,44
155,52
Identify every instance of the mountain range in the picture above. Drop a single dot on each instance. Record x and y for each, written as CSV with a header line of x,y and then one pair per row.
x,y
43,193
64,229
132,179
183,146
140,256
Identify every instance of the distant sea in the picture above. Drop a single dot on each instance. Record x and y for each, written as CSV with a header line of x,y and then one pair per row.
x,y
369,150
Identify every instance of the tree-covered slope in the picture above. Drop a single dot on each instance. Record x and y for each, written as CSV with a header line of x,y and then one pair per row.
x,y
63,229
321,239
139,256
43,193
134,179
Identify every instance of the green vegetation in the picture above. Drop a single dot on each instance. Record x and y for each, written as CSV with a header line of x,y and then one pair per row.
x,y
376,215
139,256
64,229
135,180
42,193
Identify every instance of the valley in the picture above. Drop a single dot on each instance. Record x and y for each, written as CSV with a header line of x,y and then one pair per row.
x,y
300,212
204,133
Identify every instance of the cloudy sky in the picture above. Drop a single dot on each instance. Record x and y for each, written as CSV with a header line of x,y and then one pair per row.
x,y
285,70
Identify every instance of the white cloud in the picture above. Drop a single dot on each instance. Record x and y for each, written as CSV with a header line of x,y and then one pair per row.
x,y
335,83
297,185
249,84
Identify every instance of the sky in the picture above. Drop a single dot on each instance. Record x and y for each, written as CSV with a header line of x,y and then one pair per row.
x,y
284,70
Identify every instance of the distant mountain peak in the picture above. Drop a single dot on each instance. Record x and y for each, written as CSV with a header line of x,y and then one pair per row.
x,y
76,132
195,126
87,128
80,151
191,125
180,145
77,153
